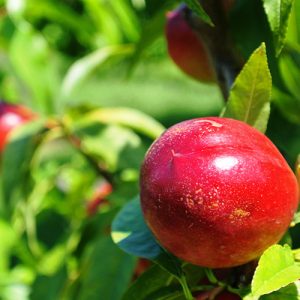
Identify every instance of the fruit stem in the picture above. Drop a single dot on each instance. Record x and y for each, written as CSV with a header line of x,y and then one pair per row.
x,y
186,290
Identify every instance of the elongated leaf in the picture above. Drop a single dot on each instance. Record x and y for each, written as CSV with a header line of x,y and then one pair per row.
x,y
16,162
52,284
127,18
170,263
288,104
132,235
290,292
107,271
249,98
151,30
149,282
276,269
127,117
82,68
278,13
198,9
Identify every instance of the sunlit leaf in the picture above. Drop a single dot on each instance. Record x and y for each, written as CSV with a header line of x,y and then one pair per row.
x,y
198,9
249,99
83,67
276,269
127,117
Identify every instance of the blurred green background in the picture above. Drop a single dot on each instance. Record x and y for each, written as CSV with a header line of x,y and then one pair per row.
x,y
56,54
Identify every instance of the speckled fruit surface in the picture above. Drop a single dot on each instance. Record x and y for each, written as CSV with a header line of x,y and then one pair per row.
x,y
186,48
12,116
216,192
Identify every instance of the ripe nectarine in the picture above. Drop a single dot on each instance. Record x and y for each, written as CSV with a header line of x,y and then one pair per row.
x,y
186,48
12,116
217,192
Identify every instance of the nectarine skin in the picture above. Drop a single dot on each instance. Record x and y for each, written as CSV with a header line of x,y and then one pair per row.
x,y
186,48
12,116
217,192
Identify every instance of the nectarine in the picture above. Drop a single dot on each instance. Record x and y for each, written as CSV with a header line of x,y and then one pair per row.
x,y
217,192
186,48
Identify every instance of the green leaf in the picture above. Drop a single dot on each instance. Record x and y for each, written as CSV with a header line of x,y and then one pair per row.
x,y
83,67
195,6
290,292
276,269
106,271
149,282
151,30
289,64
116,147
288,104
278,13
170,263
249,99
52,284
127,117
16,162
131,234
8,240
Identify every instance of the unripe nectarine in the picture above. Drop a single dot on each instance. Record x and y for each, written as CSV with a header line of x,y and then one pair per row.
x,y
217,192
12,116
186,48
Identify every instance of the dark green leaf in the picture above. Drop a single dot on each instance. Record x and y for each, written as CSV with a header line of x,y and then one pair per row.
x,y
127,117
289,105
276,269
106,271
249,98
83,67
278,13
49,287
195,6
131,234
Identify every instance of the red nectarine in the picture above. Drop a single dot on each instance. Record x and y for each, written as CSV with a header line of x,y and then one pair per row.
x,y
12,116
186,48
217,192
